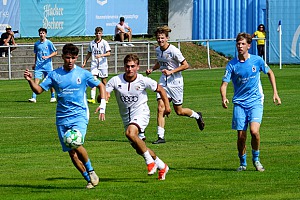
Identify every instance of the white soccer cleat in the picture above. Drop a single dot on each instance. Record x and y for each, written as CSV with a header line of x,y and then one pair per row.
x,y
258,166
53,100
94,178
32,100
241,168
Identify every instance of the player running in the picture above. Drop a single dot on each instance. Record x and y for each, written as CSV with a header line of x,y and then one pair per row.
x,y
171,62
130,91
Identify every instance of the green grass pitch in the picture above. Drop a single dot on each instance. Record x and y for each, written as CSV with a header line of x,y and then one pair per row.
x,y
202,164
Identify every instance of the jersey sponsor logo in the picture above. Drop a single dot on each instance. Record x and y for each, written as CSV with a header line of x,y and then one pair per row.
x,y
137,87
129,99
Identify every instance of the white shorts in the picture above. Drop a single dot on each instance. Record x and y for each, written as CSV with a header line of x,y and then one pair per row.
x,y
100,73
173,93
140,120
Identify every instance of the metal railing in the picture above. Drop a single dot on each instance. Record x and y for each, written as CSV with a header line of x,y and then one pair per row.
x,y
116,46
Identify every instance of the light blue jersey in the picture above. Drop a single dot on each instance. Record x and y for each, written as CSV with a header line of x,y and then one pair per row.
x,y
245,77
71,93
43,49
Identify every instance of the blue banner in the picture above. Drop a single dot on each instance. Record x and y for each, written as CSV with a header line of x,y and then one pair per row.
x,y
59,17
106,13
9,15
287,13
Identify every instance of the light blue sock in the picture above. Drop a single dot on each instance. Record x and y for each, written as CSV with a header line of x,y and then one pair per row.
x,y
88,166
255,155
33,95
243,159
86,176
53,95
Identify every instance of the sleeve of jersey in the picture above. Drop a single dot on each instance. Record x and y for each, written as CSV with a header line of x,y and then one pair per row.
x,y
107,47
227,73
91,80
150,83
264,67
178,55
110,85
46,84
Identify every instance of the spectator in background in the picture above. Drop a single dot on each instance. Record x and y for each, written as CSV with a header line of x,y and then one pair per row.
x,y
121,34
260,33
44,51
7,39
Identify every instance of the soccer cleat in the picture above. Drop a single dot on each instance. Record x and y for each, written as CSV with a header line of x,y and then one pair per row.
x,y
200,121
94,178
89,185
53,100
32,100
162,173
91,100
159,141
151,168
241,168
258,166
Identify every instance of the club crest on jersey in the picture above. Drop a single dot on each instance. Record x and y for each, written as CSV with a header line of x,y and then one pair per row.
x,y
78,80
119,86
137,87
253,68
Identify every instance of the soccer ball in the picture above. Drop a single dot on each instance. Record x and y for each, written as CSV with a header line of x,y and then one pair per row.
x,y
73,138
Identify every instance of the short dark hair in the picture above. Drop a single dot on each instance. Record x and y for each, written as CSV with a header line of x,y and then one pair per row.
x,y
98,29
70,49
131,57
122,19
42,29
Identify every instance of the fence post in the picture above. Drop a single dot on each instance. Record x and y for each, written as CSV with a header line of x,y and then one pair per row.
x,y
9,64
148,55
208,56
81,54
116,58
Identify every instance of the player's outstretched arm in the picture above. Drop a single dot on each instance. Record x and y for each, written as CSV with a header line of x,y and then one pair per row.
x,y
223,90
165,99
34,87
276,98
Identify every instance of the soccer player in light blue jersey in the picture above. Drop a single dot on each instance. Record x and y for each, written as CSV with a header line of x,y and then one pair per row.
x,y
244,72
44,50
71,81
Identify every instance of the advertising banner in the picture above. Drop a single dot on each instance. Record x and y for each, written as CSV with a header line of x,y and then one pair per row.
x,y
9,15
59,17
107,13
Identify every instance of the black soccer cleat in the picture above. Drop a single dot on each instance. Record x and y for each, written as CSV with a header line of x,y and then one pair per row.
x,y
159,141
200,121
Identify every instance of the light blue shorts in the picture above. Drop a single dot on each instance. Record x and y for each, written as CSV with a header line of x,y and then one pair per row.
x,y
41,73
61,129
243,116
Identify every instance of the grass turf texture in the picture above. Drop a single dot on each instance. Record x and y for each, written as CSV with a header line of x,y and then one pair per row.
x,y
202,164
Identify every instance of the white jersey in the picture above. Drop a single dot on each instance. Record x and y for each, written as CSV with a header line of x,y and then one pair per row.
x,y
131,96
97,48
170,59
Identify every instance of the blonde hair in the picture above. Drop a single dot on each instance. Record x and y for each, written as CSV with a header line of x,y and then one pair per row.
x,y
163,30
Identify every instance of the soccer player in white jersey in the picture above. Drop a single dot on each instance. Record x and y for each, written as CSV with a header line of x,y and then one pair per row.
x,y
70,81
130,91
171,62
44,50
99,50
244,72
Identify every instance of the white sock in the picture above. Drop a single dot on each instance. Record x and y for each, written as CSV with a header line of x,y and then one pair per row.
x,y
160,164
93,94
194,115
161,132
142,135
148,158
